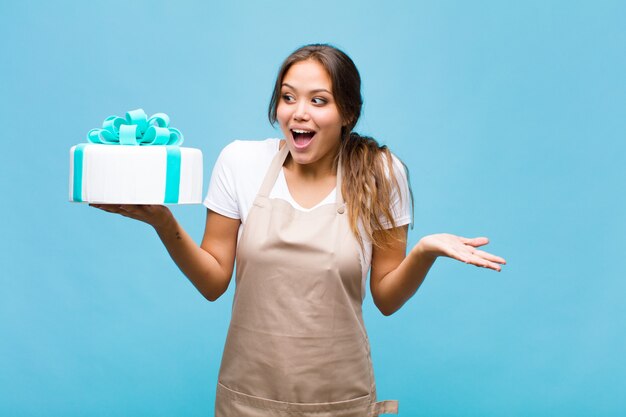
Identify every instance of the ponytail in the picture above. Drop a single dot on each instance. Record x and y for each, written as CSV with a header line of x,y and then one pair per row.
x,y
369,184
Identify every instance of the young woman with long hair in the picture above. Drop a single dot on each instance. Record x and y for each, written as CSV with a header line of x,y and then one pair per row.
x,y
305,219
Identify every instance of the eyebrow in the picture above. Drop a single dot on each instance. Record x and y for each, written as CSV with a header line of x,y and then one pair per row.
x,y
317,90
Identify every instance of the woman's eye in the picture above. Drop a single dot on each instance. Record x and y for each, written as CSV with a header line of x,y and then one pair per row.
x,y
288,98
319,100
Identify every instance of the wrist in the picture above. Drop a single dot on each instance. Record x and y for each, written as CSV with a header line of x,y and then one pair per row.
x,y
164,222
424,251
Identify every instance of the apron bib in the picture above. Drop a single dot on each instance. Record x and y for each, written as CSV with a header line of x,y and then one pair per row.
x,y
296,344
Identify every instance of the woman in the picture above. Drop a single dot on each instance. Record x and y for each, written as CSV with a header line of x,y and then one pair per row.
x,y
316,210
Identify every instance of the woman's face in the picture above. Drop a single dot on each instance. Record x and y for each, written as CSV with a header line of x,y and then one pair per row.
x,y
308,115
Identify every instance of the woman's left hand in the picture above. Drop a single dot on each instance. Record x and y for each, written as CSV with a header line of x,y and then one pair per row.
x,y
459,248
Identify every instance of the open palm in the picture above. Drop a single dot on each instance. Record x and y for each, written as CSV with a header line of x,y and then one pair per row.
x,y
462,249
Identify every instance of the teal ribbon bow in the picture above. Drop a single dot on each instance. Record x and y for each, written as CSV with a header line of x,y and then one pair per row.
x,y
136,129
139,130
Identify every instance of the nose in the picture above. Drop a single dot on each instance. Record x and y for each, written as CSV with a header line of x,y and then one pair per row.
x,y
301,111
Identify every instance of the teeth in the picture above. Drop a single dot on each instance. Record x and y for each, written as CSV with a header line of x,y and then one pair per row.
x,y
301,131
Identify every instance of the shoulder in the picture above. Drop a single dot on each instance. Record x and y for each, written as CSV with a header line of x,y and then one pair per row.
x,y
237,175
402,196
401,174
400,170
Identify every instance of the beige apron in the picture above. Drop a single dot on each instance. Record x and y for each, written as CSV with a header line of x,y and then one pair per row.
x,y
297,345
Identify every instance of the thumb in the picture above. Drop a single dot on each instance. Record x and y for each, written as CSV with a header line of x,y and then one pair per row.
x,y
475,241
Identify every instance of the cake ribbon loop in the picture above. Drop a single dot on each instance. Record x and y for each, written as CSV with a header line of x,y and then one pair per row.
x,y
136,129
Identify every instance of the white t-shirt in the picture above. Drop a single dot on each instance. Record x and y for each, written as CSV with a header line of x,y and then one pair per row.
x,y
239,172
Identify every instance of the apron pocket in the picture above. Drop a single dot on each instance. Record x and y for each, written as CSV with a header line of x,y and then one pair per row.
x,y
233,403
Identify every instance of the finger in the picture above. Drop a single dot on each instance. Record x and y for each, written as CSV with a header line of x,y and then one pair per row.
x,y
126,208
490,257
115,209
475,242
138,212
109,208
462,255
129,215
103,205
133,209
129,207
474,257
483,263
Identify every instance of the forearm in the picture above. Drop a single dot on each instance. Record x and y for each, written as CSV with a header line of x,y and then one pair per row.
x,y
401,283
200,266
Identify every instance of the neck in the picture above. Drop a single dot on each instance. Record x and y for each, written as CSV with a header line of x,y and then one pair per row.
x,y
323,168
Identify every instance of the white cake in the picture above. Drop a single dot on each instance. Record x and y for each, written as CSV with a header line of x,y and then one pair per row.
x,y
135,174
135,160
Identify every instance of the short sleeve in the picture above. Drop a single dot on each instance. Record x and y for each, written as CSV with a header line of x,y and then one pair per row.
x,y
222,196
401,200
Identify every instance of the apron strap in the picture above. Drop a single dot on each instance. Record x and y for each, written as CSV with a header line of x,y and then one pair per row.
x,y
272,172
384,407
339,195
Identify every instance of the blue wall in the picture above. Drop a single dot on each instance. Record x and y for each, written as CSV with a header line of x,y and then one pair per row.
x,y
510,116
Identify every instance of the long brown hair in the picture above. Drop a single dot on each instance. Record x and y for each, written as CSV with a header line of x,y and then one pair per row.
x,y
369,182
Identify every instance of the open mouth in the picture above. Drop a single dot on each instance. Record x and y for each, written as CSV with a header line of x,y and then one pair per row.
x,y
302,138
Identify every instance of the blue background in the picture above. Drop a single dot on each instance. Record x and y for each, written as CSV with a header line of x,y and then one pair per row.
x,y
510,116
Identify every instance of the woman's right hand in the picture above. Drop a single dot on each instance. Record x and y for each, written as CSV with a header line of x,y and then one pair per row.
x,y
153,214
